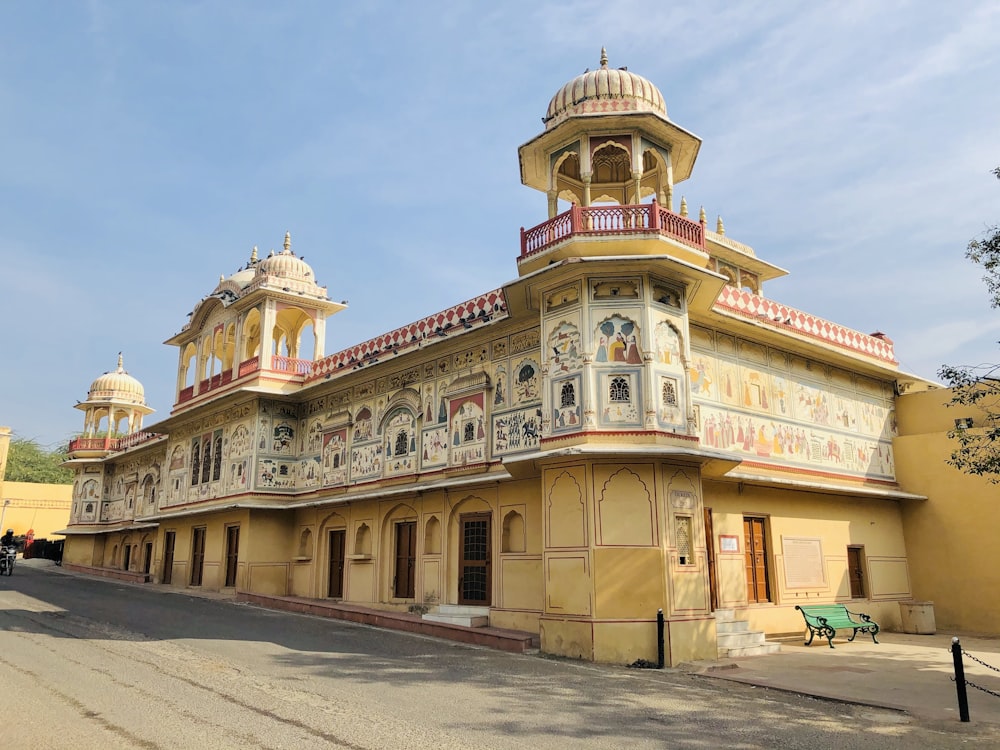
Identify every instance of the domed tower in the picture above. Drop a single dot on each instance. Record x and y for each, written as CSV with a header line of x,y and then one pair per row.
x,y
608,139
114,409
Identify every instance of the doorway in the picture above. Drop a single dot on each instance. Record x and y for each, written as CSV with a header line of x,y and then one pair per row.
x,y
197,555
713,584
147,562
758,575
169,539
406,560
474,560
126,556
338,541
232,554
856,571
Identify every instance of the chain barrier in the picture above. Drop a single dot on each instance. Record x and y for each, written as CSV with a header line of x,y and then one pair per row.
x,y
994,693
980,661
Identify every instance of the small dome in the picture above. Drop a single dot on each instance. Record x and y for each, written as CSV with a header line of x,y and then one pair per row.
x,y
286,264
117,385
604,91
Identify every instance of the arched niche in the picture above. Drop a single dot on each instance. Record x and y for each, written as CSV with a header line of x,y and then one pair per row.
x,y
432,536
512,538
251,335
305,549
189,364
363,540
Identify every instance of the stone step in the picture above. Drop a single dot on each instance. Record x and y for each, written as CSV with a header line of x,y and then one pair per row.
x,y
725,615
762,649
468,621
732,626
462,610
740,640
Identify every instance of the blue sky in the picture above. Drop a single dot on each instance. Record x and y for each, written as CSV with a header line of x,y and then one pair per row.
x,y
147,146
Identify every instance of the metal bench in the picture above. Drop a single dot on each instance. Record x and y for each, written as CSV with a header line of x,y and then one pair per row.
x,y
825,619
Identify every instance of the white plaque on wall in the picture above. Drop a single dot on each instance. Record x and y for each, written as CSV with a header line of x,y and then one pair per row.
x,y
804,566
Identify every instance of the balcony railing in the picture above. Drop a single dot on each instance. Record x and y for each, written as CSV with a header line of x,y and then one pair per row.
x,y
644,218
110,444
288,364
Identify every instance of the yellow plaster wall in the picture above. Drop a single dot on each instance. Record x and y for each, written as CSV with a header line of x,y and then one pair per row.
x,y
43,508
951,536
79,550
837,521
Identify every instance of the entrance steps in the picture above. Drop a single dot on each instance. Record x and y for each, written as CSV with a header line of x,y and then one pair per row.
x,y
735,638
457,614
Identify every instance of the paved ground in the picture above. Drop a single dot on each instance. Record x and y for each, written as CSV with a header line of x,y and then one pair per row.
x,y
905,673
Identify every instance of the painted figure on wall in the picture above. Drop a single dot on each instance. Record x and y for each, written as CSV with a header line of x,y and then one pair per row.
x,y
564,348
617,341
668,344
526,385
500,389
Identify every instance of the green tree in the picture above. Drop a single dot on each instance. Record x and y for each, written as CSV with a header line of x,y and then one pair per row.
x,y
978,448
27,461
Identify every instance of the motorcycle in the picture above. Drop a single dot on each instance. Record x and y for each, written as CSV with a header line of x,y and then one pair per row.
x,y
7,557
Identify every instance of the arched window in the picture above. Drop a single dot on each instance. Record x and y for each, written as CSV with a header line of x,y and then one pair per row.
x,y
217,465
206,464
619,390
195,462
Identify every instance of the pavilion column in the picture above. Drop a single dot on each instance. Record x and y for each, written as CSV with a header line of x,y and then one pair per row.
x,y
586,176
553,203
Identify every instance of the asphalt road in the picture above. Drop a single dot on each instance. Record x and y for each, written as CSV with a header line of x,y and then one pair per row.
x,y
91,663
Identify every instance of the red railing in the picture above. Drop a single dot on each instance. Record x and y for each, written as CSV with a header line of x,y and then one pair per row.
x,y
249,365
110,443
288,364
606,220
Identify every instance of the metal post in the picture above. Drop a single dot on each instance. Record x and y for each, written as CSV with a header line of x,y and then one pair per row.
x,y
659,639
963,698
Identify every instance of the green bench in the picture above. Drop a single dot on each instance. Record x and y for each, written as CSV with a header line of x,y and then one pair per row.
x,y
825,619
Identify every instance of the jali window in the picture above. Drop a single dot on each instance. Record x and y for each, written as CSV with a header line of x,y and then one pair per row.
x,y
619,390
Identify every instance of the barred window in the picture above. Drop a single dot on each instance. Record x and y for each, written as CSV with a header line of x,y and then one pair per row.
x,y
469,432
619,390
567,397
195,462
402,443
217,466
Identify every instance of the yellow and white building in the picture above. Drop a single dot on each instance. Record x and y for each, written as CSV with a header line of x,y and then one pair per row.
x,y
629,425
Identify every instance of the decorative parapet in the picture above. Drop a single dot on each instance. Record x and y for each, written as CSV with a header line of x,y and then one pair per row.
x,y
453,321
754,307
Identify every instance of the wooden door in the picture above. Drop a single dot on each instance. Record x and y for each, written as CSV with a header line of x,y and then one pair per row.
x,y
148,559
169,539
713,583
406,559
474,565
755,542
232,553
126,556
856,571
338,542
197,555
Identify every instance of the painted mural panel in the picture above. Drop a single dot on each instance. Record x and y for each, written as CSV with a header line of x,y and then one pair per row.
x,y
564,349
526,387
516,431
434,447
310,472
400,443
566,404
468,430
335,458
275,474
366,462
500,388
619,398
617,341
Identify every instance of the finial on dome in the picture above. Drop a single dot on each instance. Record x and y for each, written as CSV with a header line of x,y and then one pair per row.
x,y
604,57
684,206
701,215
120,367
288,242
720,228
222,277
253,254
